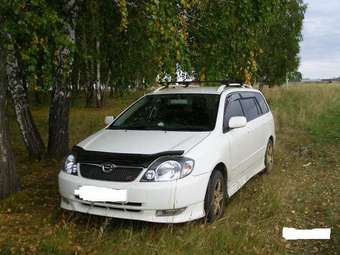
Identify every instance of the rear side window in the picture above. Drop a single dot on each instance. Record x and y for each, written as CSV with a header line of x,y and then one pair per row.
x,y
262,102
233,109
250,108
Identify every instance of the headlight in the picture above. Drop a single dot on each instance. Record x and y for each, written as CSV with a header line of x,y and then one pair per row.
x,y
168,169
70,166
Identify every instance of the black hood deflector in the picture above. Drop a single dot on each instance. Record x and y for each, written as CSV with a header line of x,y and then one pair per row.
x,y
126,159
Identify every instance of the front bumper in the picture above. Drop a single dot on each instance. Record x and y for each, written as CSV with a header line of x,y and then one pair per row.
x,y
143,199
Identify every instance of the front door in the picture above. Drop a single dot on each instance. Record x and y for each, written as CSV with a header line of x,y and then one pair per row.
x,y
239,138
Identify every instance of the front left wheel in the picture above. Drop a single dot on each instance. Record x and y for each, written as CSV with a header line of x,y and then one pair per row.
x,y
269,157
215,197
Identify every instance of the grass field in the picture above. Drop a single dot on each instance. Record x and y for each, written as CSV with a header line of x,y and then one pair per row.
x,y
303,191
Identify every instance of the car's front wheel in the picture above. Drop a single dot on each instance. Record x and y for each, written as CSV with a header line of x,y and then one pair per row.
x,y
215,197
269,157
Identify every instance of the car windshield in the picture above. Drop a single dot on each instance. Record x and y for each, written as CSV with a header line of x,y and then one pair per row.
x,y
172,112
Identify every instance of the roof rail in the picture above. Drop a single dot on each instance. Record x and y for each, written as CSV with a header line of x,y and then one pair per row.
x,y
160,88
187,83
175,84
166,84
221,88
224,84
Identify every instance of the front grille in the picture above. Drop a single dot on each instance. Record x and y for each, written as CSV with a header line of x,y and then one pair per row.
x,y
128,166
119,174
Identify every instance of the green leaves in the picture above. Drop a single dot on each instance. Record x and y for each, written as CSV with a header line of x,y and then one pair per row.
x,y
235,38
142,41
279,41
35,31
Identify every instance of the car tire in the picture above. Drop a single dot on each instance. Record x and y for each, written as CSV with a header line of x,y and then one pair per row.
x,y
269,157
215,197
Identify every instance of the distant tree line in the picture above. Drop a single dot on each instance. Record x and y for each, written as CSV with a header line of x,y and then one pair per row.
x,y
67,48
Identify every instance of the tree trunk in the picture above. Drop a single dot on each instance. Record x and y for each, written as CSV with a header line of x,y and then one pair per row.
x,y
58,137
111,91
17,87
117,88
9,181
78,82
88,95
99,96
107,84
89,84
202,74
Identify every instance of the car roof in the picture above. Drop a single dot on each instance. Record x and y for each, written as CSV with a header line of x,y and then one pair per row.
x,y
199,90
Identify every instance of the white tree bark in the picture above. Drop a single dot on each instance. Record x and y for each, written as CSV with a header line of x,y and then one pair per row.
x,y
58,137
98,85
9,181
29,131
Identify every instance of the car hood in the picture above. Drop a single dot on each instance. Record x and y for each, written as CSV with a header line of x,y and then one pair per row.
x,y
142,141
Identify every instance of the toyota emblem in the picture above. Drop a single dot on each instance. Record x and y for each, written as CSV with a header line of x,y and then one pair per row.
x,y
108,167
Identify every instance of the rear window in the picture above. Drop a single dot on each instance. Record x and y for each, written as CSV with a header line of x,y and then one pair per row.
x,y
262,102
259,98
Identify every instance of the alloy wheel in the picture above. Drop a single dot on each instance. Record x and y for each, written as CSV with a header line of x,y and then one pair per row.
x,y
269,160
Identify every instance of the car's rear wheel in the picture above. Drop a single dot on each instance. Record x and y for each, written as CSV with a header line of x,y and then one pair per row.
x,y
269,157
215,197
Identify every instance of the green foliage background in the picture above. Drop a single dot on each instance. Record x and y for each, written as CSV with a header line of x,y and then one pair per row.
x,y
144,41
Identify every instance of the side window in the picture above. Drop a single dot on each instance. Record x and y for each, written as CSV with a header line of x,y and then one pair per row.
x,y
233,109
262,102
250,108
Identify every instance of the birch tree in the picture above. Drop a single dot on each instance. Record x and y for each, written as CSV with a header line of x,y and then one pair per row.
x,y
9,182
18,89
58,137
21,41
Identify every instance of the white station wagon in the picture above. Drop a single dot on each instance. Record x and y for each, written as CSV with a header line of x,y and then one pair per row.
x,y
175,155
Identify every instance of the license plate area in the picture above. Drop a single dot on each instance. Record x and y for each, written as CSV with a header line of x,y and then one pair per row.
x,y
101,194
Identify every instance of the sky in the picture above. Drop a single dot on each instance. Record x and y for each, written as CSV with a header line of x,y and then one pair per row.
x,y
320,48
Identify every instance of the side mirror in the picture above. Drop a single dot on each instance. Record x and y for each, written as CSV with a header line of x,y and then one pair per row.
x,y
108,120
237,122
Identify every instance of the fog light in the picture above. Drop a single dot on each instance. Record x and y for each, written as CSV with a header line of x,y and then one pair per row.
x,y
170,212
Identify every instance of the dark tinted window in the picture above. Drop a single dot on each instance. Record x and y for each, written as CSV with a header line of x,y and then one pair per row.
x,y
250,108
262,102
173,112
233,109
